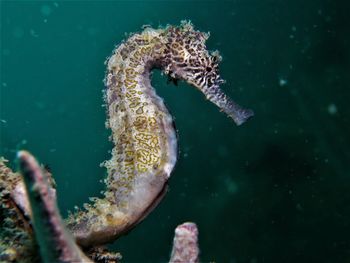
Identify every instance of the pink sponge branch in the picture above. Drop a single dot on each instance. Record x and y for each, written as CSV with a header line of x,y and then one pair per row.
x,y
185,246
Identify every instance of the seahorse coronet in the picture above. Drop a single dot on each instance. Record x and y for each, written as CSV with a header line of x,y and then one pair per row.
x,y
145,141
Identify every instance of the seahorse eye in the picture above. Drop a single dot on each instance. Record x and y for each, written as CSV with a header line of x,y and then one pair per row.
x,y
208,69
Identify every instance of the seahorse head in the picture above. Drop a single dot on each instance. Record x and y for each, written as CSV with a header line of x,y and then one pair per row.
x,y
188,58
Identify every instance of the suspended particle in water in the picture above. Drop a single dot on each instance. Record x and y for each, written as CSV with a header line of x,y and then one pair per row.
x,y
231,185
45,10
33,33
282,82
332,109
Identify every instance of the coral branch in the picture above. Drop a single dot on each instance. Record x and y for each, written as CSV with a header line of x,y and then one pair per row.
x,y
17,243
56,245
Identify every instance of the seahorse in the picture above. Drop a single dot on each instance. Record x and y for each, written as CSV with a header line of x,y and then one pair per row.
x,y
145,141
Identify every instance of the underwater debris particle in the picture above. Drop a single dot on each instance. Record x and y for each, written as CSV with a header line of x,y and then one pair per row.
x,y
33,33
231,185
282,82
45,10
332,109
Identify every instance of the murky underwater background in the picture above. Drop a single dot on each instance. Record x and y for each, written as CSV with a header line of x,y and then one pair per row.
x,y
276,189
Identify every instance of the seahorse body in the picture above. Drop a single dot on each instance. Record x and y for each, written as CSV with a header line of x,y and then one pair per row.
x,y
145,140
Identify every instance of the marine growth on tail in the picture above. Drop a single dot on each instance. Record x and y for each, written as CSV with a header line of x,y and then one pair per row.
x,y
145,143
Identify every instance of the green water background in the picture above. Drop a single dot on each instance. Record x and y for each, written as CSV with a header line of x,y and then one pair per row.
x,y
273,190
